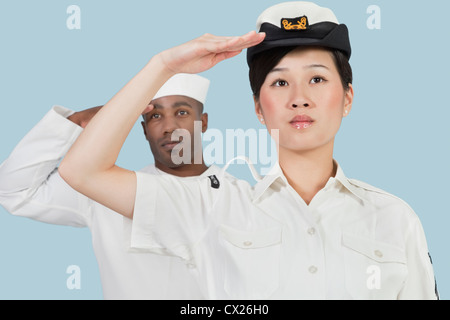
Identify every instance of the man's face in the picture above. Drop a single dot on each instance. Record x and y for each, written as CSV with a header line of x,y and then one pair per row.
x,y
171,113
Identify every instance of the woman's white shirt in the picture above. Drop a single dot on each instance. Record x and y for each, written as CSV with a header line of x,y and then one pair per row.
x,y
352,241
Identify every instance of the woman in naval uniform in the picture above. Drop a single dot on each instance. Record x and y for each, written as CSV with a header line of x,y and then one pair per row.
x,y
304,231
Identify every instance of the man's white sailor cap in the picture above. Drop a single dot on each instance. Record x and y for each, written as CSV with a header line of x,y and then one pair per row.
x,y
184,84
300,23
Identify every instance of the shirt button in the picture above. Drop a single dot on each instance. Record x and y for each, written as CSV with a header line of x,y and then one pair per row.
x,y
378,253
312,269
311,231
247,243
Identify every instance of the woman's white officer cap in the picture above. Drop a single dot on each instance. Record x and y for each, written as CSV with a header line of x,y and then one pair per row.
x,y
300,23
184,84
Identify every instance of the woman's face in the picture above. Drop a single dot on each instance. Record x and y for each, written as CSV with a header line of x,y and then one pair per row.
x,y
304,98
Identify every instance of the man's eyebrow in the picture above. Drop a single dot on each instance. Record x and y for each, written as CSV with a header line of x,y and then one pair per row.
x,y
157,106
174,105
181,104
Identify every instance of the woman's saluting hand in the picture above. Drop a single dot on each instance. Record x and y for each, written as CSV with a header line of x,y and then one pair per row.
x,y
205,52
89,166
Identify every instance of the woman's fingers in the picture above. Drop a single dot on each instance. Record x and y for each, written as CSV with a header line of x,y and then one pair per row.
x,y
239,43
203,53
224,55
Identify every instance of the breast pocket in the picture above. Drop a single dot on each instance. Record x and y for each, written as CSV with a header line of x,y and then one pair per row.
x,y
373,269
252,266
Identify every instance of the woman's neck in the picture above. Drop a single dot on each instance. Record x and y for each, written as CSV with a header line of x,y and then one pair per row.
x,y
308,171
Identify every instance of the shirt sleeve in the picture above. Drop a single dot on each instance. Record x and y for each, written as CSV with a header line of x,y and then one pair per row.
x,y
420,283
30,185
171,214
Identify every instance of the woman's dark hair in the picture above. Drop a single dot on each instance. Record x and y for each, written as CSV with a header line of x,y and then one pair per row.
x,y
265,61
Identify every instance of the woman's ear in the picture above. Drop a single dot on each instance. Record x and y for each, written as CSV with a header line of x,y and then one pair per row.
x,y
258,110
348,100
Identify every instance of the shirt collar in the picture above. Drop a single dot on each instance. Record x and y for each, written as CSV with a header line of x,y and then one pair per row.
x,y
340,176
268,180
276,174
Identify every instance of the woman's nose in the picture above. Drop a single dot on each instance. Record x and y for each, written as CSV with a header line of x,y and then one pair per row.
x,y
300,97
294,105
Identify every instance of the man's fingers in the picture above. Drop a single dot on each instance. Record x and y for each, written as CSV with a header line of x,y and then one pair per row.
x,y
148,109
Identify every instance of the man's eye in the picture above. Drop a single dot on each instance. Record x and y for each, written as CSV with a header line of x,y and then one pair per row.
x,y
280,83
182,112
155,116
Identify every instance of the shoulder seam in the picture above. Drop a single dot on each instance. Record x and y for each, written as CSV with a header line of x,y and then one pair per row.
x,y
370,188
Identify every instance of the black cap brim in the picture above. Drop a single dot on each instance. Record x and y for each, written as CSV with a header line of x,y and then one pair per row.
x,y
324,34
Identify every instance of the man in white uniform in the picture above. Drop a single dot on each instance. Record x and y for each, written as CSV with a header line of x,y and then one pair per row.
x,y
31,187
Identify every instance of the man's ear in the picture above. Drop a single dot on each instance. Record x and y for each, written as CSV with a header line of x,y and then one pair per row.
x,y
145,129
204,118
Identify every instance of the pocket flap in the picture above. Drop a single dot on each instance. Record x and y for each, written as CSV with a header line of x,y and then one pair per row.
x,y
378,251
251,239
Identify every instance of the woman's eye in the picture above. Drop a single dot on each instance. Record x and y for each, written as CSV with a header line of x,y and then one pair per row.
x,y
280,83
317,80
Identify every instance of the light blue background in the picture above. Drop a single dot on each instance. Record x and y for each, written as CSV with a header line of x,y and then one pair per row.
x,y
396,137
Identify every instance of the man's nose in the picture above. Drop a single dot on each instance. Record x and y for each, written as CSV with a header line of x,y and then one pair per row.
x,y
170,125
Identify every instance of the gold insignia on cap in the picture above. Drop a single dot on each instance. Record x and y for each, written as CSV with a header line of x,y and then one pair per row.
x,y
300,23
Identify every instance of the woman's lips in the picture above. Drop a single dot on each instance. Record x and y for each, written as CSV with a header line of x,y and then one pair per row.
x,y
301,122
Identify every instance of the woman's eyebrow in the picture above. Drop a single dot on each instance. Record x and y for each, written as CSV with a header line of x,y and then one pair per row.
x,y
309,66
278,70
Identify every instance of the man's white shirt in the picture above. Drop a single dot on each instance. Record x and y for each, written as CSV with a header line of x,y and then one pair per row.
x,y
30,186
